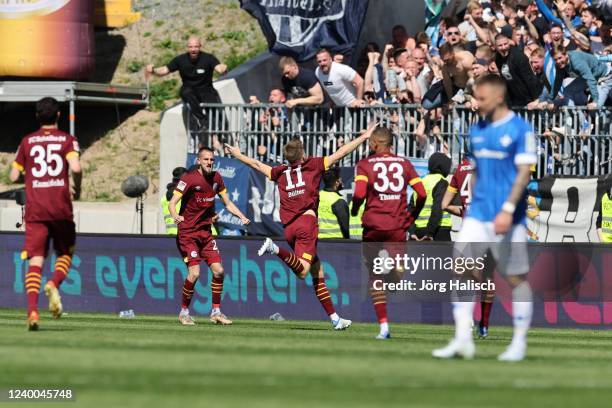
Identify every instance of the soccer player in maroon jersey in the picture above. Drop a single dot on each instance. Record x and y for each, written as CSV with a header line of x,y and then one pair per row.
x,y
197,190
461,183
381,179
298,186
45,158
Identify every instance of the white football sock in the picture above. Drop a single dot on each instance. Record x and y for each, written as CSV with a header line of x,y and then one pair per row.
x,y
334,317
384,327
522,310
462,313
274,249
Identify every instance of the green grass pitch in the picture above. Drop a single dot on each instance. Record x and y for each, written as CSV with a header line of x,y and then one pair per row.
x,y
152,361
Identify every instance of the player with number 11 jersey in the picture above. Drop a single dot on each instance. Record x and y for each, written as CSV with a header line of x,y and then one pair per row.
x,y
382,179
298,188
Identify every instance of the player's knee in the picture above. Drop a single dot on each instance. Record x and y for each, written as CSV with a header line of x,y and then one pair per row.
x,y
218,271
305,270
194,274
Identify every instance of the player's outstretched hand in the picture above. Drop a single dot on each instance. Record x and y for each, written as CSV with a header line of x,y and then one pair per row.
x,y
178,219
232,150
371,127
502,222
245,221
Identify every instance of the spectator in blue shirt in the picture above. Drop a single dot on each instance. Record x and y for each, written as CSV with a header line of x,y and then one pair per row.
x,y
597,74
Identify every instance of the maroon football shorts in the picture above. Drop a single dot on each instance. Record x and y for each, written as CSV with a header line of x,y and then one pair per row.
x,y
197,246
397,235
302,236
39,233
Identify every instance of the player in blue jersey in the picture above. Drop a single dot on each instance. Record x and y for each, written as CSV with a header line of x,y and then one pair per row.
x,y
503,149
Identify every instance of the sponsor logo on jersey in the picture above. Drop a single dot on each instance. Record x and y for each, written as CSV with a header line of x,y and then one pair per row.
x,y
194,254
505,140
198,188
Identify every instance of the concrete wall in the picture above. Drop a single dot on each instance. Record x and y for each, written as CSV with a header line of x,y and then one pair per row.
x,y
112,218
382,15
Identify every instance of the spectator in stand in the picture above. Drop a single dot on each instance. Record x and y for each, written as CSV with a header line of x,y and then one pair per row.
x,y
456,71
301,84
452,35
374,80
196,69
474,10
513,66
536,61
424,72
474,30
555,38
482,62
597,74
272,122
341,82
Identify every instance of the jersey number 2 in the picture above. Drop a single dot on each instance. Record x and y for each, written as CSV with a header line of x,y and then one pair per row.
x,y
389,177
48,161
300,179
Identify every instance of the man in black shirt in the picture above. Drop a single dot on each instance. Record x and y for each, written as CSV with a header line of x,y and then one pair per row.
x,y
301,84
513,66
196,69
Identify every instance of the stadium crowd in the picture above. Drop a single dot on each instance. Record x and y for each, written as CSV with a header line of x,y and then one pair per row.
x,y
550,56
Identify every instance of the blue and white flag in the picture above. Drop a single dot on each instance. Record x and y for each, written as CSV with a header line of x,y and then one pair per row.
x,y
300,27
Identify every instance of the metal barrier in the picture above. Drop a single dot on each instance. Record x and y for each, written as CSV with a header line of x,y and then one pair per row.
x,y
583,147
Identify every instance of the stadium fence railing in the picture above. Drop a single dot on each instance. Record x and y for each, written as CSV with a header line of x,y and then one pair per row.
x,y
570,141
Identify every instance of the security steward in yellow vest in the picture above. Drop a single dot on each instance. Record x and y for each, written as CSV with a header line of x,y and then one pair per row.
x,y
333,208
355,223
433,223
171,228
604,219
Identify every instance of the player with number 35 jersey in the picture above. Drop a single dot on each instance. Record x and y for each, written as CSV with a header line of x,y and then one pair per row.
x,y
298,187
382,179
45,158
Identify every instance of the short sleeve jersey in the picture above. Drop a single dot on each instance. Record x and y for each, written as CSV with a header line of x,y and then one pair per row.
x,y
498,148
388,177
298,187
43,158
198,199
461,182
196,73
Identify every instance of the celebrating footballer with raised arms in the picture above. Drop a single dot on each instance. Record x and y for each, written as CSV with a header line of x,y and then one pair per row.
x,y
298,186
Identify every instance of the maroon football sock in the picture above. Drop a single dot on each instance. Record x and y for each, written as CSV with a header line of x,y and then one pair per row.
x,y
62,266
379,300
323,295
485,311
216,288
187,292
291,260
32,285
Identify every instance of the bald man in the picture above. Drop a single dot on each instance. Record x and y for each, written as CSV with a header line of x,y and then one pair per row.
x,y
196,69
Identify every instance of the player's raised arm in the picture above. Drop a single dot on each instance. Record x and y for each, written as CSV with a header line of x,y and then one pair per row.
x,y
254,163
351,146
231,207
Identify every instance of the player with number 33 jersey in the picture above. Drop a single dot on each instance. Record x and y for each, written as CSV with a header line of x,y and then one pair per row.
x,y
382,179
